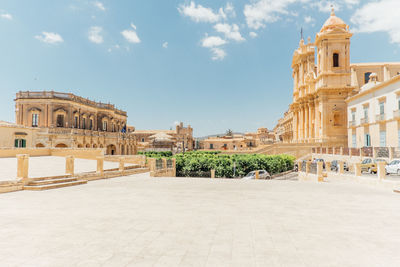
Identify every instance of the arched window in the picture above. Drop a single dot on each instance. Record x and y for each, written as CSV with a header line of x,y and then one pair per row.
x,y
335,60
366,77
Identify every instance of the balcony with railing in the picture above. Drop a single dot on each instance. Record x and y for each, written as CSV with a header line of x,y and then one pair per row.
x,y
352,123
67,96
380,117
84,132
364,120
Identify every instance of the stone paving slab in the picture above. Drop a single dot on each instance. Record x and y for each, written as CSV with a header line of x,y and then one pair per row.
x,y
143,221
48,166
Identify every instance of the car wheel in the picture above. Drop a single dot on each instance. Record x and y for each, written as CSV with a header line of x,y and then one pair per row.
x,y
398,172
369,170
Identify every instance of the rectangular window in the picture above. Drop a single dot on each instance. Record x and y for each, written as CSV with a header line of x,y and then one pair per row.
x,y
76,122
367,140
35,120
20,143
353,116
91,124
84,123
398,138
381,108
366,114
354,140
211,146
60,120
398,103
366,77
104,126
382,139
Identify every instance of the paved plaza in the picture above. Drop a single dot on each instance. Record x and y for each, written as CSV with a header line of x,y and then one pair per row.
x,y
143,221
48,166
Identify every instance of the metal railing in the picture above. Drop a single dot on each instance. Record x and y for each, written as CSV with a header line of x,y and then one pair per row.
x,y
170,164
380,117
159,164
382,152
352,123
364,120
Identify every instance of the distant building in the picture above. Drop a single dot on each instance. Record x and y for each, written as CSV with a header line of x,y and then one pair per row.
x,y
374,114
172,140
245,141
67,120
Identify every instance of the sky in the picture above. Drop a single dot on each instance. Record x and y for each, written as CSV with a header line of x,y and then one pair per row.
x,y
213,64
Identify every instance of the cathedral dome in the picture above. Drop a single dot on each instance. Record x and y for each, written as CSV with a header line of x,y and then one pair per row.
x,y
333,22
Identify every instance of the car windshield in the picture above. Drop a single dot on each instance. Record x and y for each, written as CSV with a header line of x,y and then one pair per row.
x,y
250,174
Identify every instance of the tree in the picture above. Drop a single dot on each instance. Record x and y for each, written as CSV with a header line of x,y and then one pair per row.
x,y
229,132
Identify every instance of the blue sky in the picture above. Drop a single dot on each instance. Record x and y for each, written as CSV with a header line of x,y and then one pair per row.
x,y
209,63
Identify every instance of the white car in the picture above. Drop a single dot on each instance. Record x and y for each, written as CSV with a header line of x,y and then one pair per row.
x,y
262,174
393,167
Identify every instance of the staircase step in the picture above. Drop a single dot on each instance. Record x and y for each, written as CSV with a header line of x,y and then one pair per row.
x,y
53,186
52,181
51,177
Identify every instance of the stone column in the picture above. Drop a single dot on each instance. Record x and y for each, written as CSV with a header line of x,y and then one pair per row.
x,y
22,166
391,153
381,170
100,164
69,165
306,122
164,163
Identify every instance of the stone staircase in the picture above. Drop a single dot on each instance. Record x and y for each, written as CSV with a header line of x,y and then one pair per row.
x,y
52,182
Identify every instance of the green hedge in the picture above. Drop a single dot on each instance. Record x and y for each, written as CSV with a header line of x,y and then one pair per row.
x,y
156,154
200,163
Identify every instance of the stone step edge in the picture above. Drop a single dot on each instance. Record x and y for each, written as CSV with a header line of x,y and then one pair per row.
x,y
54,186
53,181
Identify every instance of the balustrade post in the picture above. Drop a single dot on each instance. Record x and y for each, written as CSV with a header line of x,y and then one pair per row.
x,y
341,167
357,169
320,170
308,165
22,166
327,166
121,164
100,164
69,165
381,170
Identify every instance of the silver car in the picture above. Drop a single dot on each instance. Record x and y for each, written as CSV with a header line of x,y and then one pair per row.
x,y
393,167
262,174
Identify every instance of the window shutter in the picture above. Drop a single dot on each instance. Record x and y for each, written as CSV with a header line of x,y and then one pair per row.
x,y
16,143
23,143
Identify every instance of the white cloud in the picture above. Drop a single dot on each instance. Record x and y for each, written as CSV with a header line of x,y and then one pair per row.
x,y
230,10
165,45
380,16
253,34
198,13
6,16
230,31
131,35
99,5
218,53
50,38
212,41
326,5
95,35
309,19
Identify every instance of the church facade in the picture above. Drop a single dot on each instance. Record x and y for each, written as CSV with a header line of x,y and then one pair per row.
x,y
323,79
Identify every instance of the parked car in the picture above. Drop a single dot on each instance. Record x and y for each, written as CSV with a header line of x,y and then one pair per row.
x,y
393,167
320,160
335,166
262,174
370,165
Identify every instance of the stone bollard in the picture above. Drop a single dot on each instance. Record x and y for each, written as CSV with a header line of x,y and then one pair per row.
x,y
22,166
327,166
212,173
69,165
341,167
320,169
299,166
100,164
257,175
357,169
174,166
308,165
391,153
381,170
121,164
